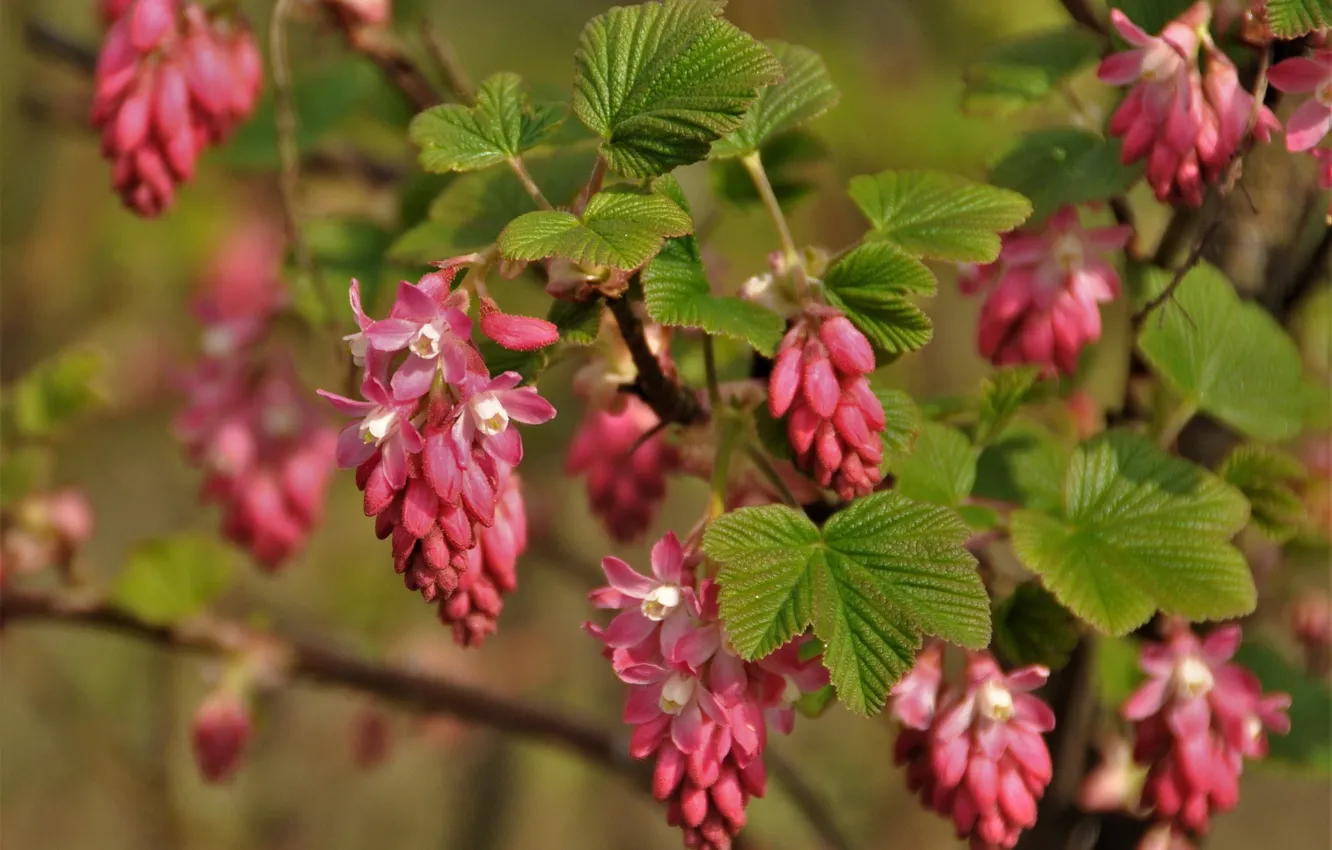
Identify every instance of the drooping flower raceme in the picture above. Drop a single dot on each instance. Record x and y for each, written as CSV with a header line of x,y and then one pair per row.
x,y
695,705
819,378
625,468
974,753
1196,719
1188,122
171,79
266,453
434,444
1045,292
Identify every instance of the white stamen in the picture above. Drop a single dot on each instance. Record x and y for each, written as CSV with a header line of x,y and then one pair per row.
x,y
218,341
676,693
426,342
1323,94
378,425
1067,252
792,693
995,701
1192,677
661,601
488,413
358,345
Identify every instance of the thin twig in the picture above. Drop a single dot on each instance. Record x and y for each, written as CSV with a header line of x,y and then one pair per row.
x,y
381,47
1082,12
43,40
289,153
754,165
1195,256
770,472
450,67
809,801
315,663
671,401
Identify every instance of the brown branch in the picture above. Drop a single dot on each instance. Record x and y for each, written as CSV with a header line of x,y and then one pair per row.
x,y
381,47
315,663
1082,12
671,401
45,41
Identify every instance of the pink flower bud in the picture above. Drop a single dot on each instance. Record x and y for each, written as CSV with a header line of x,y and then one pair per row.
x,y
222,731
850,351
516,333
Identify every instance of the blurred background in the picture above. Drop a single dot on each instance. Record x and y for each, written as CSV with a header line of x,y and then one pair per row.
x,y
94,746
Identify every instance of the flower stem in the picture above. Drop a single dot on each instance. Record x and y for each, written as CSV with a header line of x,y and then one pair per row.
x,y
1174,422
728,431
710,367
770,472
530,185
754,165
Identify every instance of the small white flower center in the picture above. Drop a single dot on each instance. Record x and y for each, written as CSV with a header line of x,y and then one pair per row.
x,y
488,414
1253,727
1192,677
1067,252
995,701
661,601
426,342
358,345
218,341
280,420
676,693
378,425
1161,61
792,693
1323,94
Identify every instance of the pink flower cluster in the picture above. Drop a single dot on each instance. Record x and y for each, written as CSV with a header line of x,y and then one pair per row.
x,y
434,445
172,78
695,705
1195,721
1187,122
1045,292
266,453
1310,123
626,469
974,752
819,377
44,530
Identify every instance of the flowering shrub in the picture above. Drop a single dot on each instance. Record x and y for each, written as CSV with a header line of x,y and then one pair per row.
x,y
960,561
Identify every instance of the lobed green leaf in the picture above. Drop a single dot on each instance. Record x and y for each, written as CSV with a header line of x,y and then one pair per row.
x,y
1026,69
805,92
168,580
938,216
1064,166
1267,477
941,467
622,227
1294,18
871,286
501,125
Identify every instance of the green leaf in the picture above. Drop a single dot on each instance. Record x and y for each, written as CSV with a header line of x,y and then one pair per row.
x,y
660,82
1002,395
1140,530
1024,466
1226,357
880,572
1117,672
940,469
55,392
676,292
1151,15
471,211
167,580
938,216
1063,166
579,323
1031,627
900,414
786,159
815,703
1026,69
1294,18
528,364
871,286
805,92
1308,745
621,227
1266,476
501,126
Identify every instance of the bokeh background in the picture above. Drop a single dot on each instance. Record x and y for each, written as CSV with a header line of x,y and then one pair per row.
x,y
94,749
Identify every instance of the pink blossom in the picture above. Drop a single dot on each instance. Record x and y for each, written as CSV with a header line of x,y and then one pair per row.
x,y
1312,120
657,605
221,734
1196,718
474,609
385,427
170,80
982,761
431,327
486,408
1187,124
1045,292
626,470
834,417
915,697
